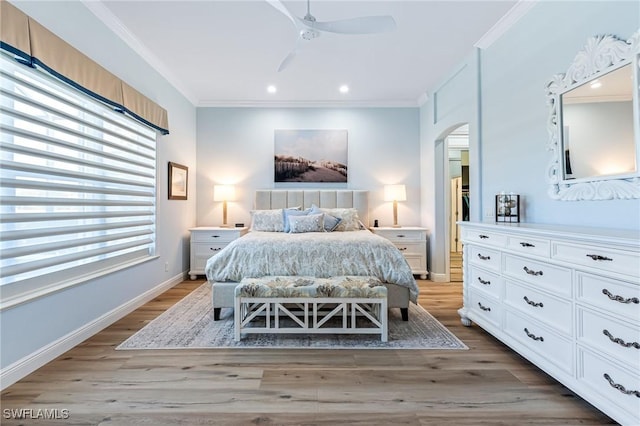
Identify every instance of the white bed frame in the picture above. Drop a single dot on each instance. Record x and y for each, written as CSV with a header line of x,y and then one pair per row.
x,y
223,295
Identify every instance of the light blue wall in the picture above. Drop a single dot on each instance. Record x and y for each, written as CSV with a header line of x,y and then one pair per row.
x,y
36,326
236,145
514,72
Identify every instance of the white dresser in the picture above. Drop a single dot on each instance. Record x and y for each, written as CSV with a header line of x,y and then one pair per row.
x,y
567,299
412,242
207,241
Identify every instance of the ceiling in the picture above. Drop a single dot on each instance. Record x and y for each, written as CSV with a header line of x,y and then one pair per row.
x,y
226,53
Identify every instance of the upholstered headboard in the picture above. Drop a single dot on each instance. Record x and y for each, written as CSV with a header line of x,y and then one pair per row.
x,y
338,198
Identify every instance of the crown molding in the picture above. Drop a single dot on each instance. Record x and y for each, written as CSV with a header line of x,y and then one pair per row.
x,y
305,104
507,21
98,8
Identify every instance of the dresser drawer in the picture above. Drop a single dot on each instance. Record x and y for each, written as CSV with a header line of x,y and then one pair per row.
x,y
618,385
488,238
552,278
607,335
534,246
485,281
615,296
225,236
556,313
484,257
540,339
416,262
606,259
487,308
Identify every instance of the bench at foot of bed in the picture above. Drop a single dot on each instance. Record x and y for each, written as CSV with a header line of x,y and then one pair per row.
x,y
307,305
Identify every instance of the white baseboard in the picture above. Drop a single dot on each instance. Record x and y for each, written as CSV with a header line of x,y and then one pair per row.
x,y
21,368
438,278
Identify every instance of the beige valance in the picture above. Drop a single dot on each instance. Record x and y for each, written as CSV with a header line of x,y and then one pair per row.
x,y
26,38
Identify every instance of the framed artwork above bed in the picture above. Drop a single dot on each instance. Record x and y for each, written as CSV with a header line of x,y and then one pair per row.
x,y
315,156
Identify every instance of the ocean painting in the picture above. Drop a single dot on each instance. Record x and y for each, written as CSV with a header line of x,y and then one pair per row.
x,y
310,156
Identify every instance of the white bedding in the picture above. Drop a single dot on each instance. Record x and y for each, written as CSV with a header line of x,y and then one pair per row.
x,y
317,254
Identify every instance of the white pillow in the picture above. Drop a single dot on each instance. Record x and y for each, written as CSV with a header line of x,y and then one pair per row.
x,y
267,220
308,223
350,220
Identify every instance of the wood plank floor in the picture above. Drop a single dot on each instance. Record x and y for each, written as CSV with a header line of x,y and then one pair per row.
x,y
488,384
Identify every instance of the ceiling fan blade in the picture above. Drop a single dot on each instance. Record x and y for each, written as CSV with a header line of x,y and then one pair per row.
x,y
277,4
286,61
362,25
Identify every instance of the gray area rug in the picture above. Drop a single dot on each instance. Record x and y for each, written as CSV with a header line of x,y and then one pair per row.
x,y
189,325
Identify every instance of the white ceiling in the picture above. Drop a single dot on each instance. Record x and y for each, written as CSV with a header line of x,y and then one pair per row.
x,y
227,52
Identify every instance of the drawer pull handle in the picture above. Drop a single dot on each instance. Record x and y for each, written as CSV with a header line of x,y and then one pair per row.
x,y
598,257
484,282
214,249
484,257
484,308
620,341
532,272
215,236
402,248
620,387
532,303
533,336
483,237
527,244
400,235
620,299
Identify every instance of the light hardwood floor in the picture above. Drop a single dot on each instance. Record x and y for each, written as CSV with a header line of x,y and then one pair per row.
x,y
488,384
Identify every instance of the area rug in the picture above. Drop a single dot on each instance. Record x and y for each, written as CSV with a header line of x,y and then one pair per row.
x,y
189,325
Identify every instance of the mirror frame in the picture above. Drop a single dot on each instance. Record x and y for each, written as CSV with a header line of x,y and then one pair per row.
x,y
601,55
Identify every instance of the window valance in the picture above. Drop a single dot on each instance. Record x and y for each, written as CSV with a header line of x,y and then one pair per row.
x,y
37,46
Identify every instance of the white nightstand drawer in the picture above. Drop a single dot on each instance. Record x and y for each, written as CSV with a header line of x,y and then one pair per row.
x,y
481,236
402,234
210,236
207,249
485,257
554,312
606,335
615,296
416,262
606,259
411,248
544,275
536,247
541,339
485,281
618,385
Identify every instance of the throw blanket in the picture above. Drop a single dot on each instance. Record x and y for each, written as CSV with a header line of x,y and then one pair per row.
x,y
316,254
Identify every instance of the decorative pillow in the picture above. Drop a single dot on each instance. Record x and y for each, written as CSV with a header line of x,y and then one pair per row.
x,y
289,212
349,217
308,223
267,220
331,222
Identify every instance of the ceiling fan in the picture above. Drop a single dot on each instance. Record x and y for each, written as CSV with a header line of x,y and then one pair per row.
x,y
309,28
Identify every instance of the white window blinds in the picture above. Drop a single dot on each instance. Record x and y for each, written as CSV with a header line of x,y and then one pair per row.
x,y
77,185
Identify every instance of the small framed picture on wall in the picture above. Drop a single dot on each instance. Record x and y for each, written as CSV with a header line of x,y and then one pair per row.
x,y
178,181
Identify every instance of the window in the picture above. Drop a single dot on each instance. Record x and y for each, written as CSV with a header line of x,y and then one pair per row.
x,y
77,185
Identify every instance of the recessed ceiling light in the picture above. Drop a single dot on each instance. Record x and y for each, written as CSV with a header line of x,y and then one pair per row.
x,y
272,89
595,84
344,89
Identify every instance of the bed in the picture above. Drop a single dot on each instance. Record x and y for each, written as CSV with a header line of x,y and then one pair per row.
x,y
317,254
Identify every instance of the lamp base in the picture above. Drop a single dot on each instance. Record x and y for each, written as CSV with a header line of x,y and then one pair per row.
x,y
225,225
396,226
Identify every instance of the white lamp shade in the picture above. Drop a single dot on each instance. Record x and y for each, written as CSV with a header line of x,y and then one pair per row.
x,y
224,193
395,193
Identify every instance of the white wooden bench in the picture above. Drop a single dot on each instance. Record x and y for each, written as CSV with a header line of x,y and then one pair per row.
x,y
307,305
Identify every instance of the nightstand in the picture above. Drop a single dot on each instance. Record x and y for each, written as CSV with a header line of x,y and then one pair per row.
x,y
412,242
207,241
